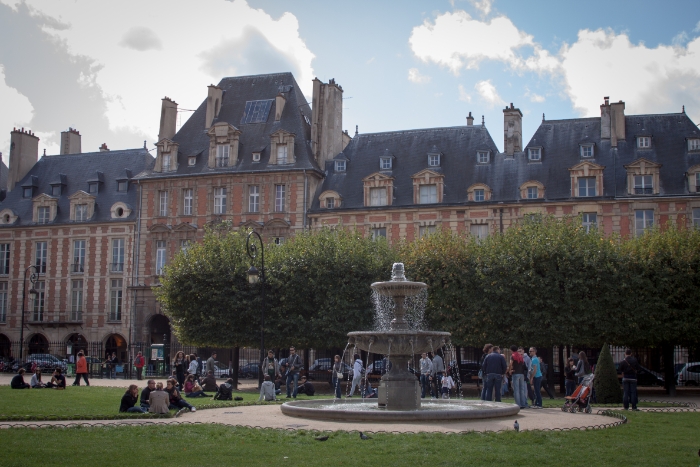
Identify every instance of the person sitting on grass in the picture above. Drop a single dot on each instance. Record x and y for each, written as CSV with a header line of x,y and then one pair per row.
x,y
129,400
192,388
158,400
18,381
58,381
209,382
176,401
36,382
225,391
267,390
305,387
146,394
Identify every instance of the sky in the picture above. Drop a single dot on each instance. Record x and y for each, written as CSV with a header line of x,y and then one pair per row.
x,y
102,67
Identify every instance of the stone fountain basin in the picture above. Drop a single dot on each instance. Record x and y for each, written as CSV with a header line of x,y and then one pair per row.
x,y
430,410
398,288
423,341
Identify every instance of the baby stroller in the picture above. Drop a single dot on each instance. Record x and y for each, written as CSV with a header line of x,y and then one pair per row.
x,y
581,398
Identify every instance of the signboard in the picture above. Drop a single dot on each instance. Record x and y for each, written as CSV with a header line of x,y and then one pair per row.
x,y
157,351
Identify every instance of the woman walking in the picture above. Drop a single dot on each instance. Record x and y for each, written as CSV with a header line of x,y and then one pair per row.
x,y
81,370
179,364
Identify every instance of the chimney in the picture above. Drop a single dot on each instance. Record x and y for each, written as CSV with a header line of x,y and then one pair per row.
x,y
214,95
104,148
24,152
612,121
470,120
168,118
326,120
280,100
512,130
70,142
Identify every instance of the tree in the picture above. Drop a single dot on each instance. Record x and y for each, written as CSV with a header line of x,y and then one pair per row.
x,y
607,386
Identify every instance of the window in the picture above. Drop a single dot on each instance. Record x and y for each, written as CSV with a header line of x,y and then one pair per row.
x,y
160,256
115,306
56,190
643,219
697,182
79,256
278,240
385,163
40,257
643,185
3,302
480,231
587,150
428,194
590,221
220,200
222,152
254,198
4,258
479,195
162,203
81,212
434,160
39,301
117,255
93,188
482,157
192,160
280,191
330,203
187,198
694,144
256,111
424,230
643,142
377,196
532,192
43,213
281,153
76,312
586,186
185,245
27,192
340,166
696,217
166,162
535,154
379,232
122,186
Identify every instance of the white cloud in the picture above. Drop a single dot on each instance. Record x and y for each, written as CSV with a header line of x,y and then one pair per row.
x,y
369,61
697,27
533,96
484,6
414,76
455,40
141,38
487,91
463,94
18,112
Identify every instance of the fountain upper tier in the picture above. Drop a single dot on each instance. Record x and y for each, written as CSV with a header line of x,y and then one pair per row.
x,y
398,288
402,342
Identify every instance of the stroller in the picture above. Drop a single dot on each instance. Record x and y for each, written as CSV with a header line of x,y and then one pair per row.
x,y
581,398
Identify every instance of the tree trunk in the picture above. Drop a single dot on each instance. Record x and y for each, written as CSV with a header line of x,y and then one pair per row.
x,y
562,373
667,353
236,365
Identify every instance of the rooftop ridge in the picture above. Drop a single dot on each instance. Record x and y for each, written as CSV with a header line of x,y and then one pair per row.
x,y
256,76
420,130
111,152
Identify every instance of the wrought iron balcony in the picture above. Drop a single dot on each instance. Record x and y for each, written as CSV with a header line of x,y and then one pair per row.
x,y
644,191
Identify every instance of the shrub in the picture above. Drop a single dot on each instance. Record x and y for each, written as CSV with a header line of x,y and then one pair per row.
x,y
607,386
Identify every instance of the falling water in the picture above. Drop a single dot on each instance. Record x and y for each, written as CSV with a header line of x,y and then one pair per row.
x,y
456,377
414,306
364,385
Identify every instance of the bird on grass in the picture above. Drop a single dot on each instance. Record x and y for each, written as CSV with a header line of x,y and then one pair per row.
x,y
321,438
364,436
516,425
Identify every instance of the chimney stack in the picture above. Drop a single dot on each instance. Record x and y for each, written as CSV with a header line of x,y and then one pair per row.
x,y
612,121
104,148
512,130
168,118
470,120
24,152
280,100
326,120
214,96
70,142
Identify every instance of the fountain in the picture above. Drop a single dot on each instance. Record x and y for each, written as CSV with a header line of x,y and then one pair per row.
x,y
399,389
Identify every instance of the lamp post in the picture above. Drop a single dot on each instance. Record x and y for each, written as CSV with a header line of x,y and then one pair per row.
x,y
32,291
255,276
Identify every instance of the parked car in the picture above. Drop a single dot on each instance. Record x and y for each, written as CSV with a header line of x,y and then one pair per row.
x,y
249,370
645,376
44,361
320,370
7,364
689,375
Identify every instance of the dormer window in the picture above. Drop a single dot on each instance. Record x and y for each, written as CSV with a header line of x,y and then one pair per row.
x,y
385,163
81,212
93,188
340,166
256,157
192,160
122,186
643,142
534,154
27,192
482,157
282,154
433,160
43,214
586,150
643,185
166,162
479,194
377,197
330,203
532,192
222,155
56,190
282,147
694,144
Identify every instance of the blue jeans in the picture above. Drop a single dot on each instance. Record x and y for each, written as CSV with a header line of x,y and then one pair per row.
x,y
336,385
537,383
437,385
424,384
630,387
196,394
136,410
520,390
493,381
570,386
181,404
292,377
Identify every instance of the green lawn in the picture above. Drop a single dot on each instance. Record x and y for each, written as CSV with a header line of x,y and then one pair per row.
x,y
648,439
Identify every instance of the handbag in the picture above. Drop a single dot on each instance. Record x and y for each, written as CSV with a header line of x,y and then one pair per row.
x,y
339,374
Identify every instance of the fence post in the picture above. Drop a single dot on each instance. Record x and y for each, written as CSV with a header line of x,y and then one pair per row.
x,y
667,354
236,366
562,370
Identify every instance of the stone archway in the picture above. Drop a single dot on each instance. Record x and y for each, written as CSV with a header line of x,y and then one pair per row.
x,y
115,343
77,342
5,346
159,330
38,344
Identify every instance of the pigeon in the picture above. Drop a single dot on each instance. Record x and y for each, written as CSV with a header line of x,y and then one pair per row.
x,y
516,425
364,436
321,438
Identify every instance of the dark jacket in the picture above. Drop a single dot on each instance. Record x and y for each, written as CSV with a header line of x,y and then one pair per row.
x,y
494,363
570,373
18,382
145,395
128,401
629,367
209,383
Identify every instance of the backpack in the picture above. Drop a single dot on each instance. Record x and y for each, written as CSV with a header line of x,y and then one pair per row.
x,y
224,393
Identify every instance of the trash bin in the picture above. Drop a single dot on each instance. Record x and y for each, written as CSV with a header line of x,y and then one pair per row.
x,y
70,371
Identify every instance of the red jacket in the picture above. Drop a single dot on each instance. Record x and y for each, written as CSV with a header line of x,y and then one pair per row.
x,y
139,362
81,365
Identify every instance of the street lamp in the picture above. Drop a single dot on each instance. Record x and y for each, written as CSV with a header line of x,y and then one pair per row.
x,y
255,276
32,291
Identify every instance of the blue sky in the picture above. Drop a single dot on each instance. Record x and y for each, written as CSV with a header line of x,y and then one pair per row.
x,y
102,67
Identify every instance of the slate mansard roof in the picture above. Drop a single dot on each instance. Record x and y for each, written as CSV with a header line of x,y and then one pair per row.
x,y
76,170
255,137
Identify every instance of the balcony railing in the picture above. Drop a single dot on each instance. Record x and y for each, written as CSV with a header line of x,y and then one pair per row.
x,y
644,191
116,267
77,268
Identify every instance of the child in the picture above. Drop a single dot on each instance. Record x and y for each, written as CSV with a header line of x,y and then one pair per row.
x,y
447,384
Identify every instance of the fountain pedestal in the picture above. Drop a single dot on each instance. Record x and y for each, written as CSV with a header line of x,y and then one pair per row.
x,y
398,389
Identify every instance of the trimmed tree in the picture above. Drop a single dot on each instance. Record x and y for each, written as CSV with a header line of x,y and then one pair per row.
x,y
607,386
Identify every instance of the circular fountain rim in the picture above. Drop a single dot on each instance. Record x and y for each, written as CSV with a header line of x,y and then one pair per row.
x,y
302,409
400,332
383,287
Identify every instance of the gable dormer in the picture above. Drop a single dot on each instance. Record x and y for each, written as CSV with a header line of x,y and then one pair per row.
x,y
223,145
166,158
282,147
378,189
82,206
428,187
586,179
643,177
44,208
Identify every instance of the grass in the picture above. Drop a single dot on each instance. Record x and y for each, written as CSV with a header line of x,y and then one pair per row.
x,y
648,439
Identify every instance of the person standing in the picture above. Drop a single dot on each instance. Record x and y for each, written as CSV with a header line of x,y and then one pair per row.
x,y
139,363
211,364
270,366
536,378
179,364
629,367
426,369
583,368
437,374
337,375
517,370
528,370
570,375
81,370
357,368
447,384
482,376
294,365
545,384
192,368
494,368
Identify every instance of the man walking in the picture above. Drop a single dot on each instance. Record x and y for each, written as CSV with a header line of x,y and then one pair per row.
x,y
629,367
536,378
494,368
211,363
294,365
437,374
426,369
139,363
